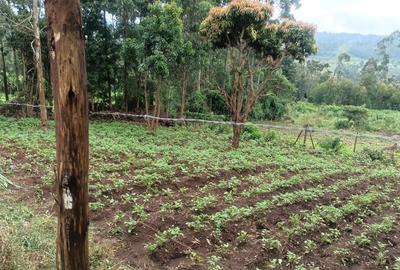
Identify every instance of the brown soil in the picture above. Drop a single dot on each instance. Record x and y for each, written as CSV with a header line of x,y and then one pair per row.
x,y
247,254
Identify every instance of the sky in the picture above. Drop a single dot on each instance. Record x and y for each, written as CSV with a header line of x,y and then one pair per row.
x,y
351,16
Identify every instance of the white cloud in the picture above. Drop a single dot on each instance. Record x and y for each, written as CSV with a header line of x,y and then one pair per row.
x,y
352,16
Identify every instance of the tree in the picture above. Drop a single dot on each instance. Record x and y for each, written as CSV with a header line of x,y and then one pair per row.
x,y
39,64
69,81
340,69
286,7
3,61
102,50
185,55
16,22
162,32
383,48
256,45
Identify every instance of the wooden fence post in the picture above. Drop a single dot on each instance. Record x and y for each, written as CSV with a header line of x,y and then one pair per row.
x,y
69,81
355,143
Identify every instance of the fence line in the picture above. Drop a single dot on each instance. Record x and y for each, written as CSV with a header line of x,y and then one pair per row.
x,y
24,105
395,138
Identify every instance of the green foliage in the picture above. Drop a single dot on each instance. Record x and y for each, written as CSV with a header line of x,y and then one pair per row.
x,y
326,116
269,108
362,241
270,135
213,263
397,264
332,145
357,115
269,243
374,155
4,182
340,92
309,246
26,240
251,132
162,33
331,236
163,237
202,203
343,124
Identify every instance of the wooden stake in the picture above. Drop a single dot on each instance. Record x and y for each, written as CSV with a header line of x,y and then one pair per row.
x,y
305,135
355,144
298,137
69,81
312,141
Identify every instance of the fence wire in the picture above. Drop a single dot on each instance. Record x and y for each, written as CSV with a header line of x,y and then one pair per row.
x,y
394,138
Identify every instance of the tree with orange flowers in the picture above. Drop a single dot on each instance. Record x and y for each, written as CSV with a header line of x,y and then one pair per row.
x,y
255,45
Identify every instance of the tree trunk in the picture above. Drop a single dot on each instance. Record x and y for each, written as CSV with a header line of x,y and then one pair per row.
x,y
16,69
5,81
199,80
157,105
39,65
125,71
27,88
109,89
69,82
184,85
237,131
146,95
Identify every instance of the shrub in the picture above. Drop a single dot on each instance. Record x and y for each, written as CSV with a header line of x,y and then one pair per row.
x,y
357,115
332,145
269,108
341,92
252,133
374,155
270,135
343,124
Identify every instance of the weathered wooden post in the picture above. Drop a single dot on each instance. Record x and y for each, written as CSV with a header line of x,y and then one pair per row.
x,y
307,130
69,81
355,143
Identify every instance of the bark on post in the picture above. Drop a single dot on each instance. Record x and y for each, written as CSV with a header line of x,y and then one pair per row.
x,y
5,82
39,65
69,81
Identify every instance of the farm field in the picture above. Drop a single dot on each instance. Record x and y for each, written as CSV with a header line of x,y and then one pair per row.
x,y
182,198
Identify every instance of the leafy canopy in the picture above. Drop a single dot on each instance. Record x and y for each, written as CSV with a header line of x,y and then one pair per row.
x,y
162,37
250,22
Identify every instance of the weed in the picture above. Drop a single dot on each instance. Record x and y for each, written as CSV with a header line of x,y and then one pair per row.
x,y
213,263
163,237
309,246
362,241
202,203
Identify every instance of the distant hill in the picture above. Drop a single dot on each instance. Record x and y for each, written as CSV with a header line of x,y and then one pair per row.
x,y
360,47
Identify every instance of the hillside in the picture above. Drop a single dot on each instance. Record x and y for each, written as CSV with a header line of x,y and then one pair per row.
x,y
360,47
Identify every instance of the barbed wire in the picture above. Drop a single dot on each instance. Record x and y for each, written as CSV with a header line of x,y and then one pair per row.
x,y
394,138
268,126
24,105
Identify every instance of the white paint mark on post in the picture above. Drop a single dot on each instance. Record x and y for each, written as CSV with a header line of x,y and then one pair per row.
x,y
57,36
67,196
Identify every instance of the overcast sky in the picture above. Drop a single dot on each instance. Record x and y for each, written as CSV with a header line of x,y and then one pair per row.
x,y
380,17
